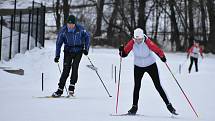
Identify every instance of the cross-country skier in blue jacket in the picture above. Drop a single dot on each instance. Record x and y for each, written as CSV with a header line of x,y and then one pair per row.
x,y
76,42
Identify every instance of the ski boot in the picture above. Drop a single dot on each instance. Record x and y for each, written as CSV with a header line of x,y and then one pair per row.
x,y
133,110
58,93
171,109
71,89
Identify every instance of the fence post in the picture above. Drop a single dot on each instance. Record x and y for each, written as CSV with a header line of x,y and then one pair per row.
x,y
14,12
11,36
20,27
29,29
1,25
44,19
36,38
32,24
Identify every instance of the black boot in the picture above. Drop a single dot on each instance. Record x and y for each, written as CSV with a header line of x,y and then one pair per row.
x,y
171,109
58,93
71,89
133,110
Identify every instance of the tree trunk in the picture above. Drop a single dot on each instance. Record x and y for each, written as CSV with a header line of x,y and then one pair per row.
x,y
191,25
186,43
203,20
141,15
174,27
156,21
112,20
132,13
211,38
58,17
99,11
65,10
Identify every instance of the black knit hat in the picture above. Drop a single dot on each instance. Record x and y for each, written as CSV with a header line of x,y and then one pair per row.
x,y
71,19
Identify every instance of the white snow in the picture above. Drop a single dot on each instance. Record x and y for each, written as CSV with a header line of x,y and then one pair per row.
x,y
18,100
14,45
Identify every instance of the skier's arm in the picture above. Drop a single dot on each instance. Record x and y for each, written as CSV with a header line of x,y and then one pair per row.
x,y
59,44
87,40
124,51
201,51
189,51
152,46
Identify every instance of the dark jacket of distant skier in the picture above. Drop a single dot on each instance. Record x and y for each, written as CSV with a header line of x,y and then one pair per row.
x,y
75,40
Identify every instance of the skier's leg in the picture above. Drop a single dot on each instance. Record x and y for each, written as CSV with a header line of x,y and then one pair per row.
x,y
191,64
196,64
64,74
138,74
74,74
153,72
66,70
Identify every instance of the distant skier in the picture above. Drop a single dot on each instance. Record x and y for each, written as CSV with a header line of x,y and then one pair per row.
x,y
144,61
194,52
76,41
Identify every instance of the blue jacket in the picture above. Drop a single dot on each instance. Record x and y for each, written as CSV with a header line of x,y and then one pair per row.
x,y
74,40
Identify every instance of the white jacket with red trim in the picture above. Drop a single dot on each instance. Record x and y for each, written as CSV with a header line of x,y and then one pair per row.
x,y
194,51
143,55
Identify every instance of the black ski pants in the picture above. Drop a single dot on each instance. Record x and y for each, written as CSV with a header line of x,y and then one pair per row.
x,y
71,60
152,70
191,63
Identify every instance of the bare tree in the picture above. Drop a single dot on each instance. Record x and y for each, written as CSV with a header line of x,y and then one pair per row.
x,y
112,20
141,15
99,11
203,19
174,26
186,25
132,13
65,10
191,24
211,13
58,17
158,13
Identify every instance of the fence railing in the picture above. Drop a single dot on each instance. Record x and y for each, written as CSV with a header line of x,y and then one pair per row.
x,y
21,30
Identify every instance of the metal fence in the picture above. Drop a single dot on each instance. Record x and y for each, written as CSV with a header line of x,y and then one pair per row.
x,y
21,30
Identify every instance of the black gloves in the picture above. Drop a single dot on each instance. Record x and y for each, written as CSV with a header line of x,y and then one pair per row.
x,y
163,59
187,56
122,52
56,59
85,52
121,48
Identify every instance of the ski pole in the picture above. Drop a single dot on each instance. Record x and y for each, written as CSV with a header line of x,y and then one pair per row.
x,y
182,90
99,77
117,99
65,84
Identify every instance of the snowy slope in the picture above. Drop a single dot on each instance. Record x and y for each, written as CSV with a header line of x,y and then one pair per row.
x,y
18,102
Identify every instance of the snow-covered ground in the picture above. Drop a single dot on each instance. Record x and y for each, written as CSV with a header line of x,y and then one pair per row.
x,y
18,100
14,45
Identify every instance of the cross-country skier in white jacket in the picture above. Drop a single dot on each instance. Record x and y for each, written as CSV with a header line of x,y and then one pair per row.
x,y
144,61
